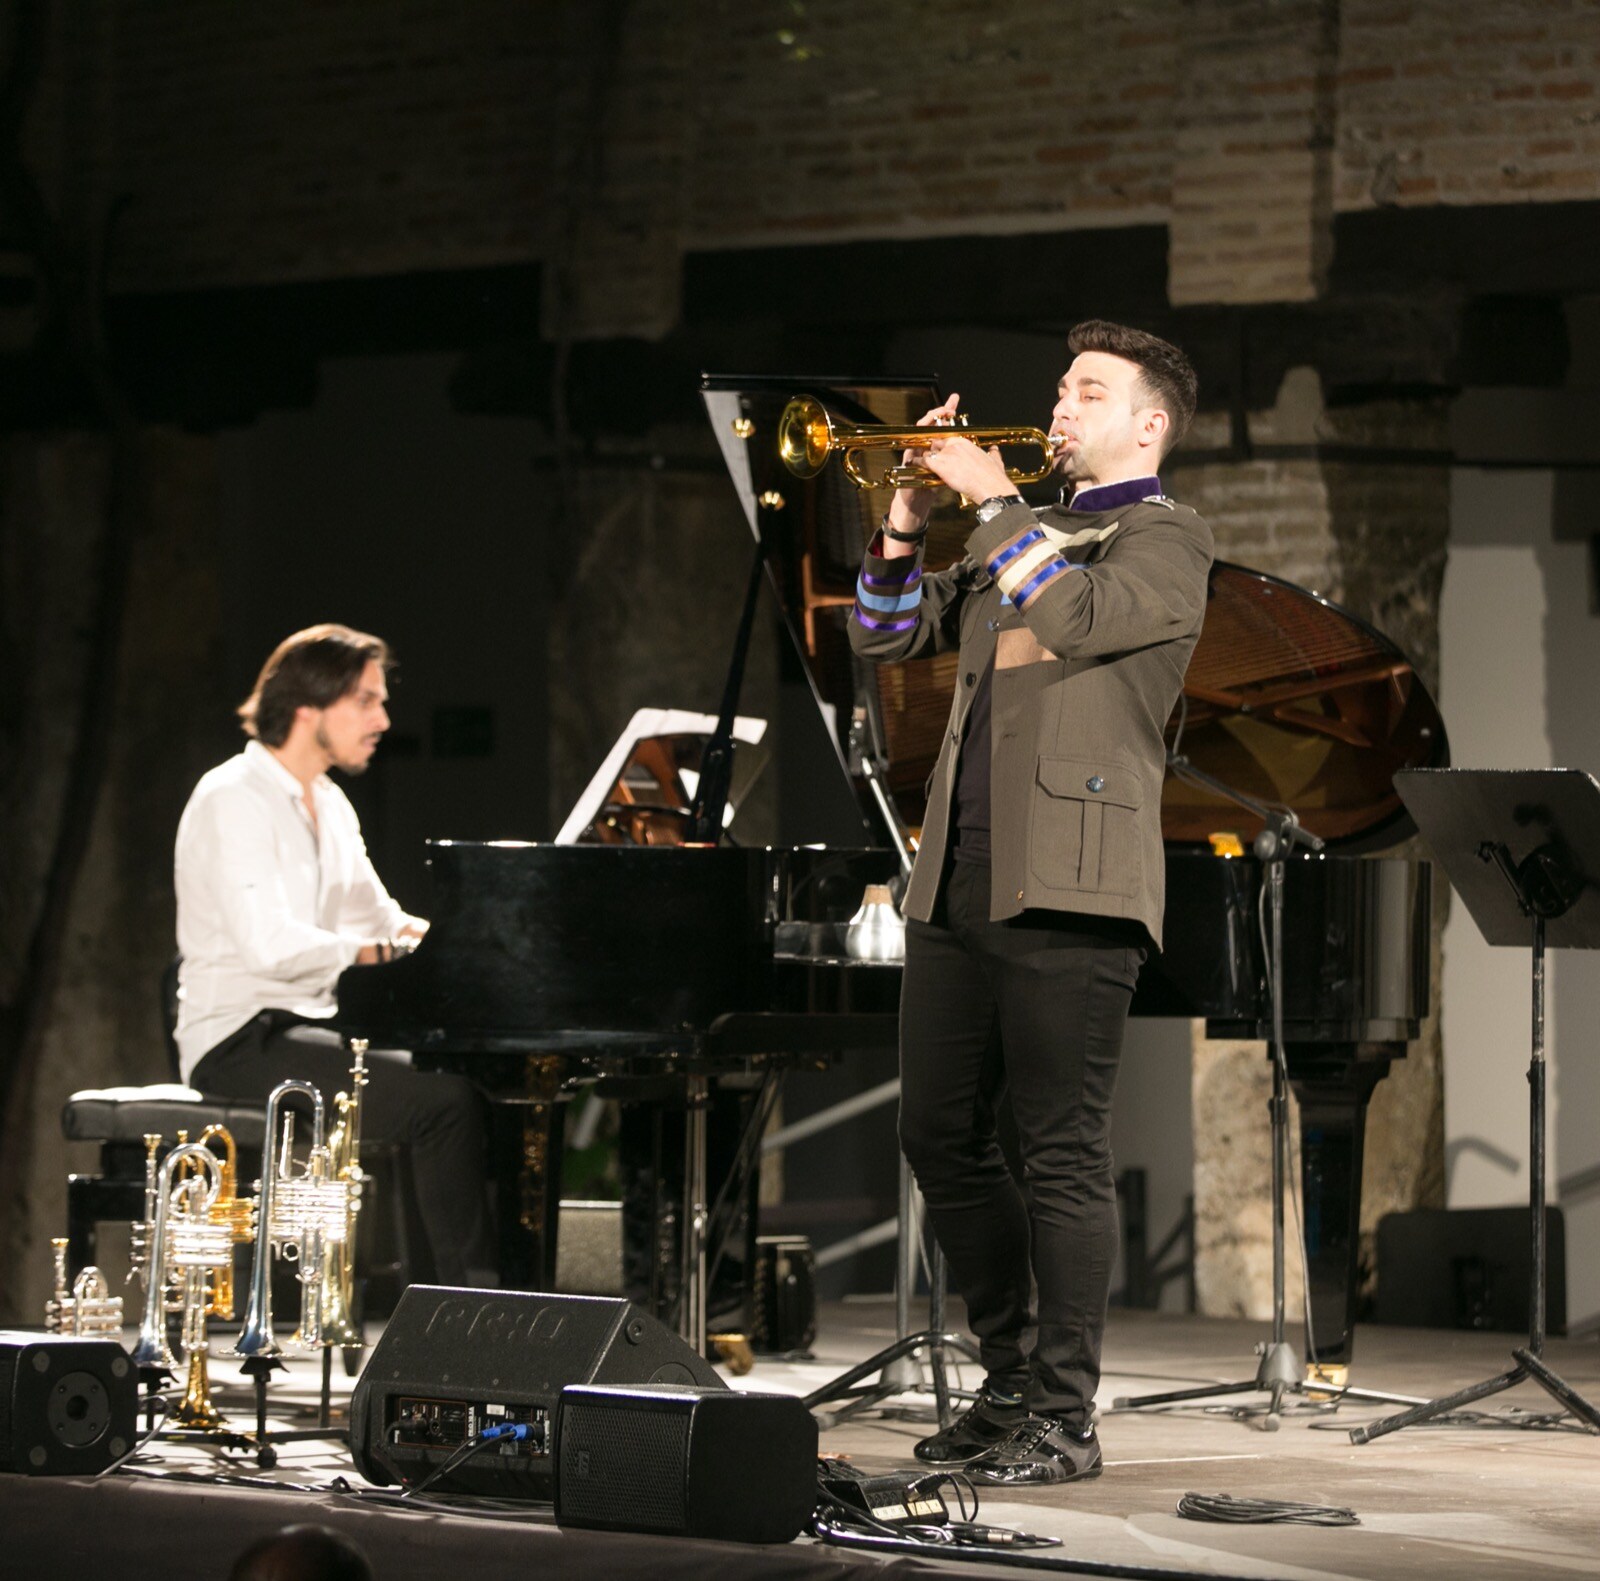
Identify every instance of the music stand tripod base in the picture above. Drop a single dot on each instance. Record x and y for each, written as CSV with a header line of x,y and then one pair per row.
x,y
1522,848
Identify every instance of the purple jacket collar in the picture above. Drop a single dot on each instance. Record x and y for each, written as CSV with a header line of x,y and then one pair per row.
x,y
1112,496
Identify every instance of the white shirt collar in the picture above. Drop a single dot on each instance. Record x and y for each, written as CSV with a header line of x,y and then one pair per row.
x,y
265,761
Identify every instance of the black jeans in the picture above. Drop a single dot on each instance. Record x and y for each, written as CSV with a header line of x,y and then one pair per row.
x,y
1036,1005
438,1116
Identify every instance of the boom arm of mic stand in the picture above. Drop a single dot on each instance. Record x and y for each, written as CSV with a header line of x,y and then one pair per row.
x,y
1283,826
871,773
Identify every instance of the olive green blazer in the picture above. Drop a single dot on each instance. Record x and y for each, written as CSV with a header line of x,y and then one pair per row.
x,y
1089,620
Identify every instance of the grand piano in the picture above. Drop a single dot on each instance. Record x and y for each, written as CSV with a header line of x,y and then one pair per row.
x,y
635,951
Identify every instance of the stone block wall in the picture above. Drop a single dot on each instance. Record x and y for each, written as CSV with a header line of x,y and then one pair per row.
x,y
104,1024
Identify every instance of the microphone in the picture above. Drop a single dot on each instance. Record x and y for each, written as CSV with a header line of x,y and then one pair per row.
x,y
1279,836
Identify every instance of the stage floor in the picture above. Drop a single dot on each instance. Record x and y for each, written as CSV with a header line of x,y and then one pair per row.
x,y
1507,1498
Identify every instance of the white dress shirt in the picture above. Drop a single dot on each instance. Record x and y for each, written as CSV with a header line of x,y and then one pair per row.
x,y
271,906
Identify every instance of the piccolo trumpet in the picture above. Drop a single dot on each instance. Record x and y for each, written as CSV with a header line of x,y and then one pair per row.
x,y
808,434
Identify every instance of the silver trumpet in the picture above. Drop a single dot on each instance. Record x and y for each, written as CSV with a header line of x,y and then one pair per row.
x,y
143,1229
87,1307
184,1246
300,1215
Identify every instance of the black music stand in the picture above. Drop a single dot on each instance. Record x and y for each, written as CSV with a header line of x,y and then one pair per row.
x,y
1519,846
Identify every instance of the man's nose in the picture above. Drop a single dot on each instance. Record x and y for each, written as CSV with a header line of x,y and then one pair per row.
x,y
383,717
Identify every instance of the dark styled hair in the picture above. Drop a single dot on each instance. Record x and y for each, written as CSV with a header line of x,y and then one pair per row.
x,y
312,669
1167,377
302,1553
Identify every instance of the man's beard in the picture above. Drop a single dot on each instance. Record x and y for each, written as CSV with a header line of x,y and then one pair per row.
x,y
325,745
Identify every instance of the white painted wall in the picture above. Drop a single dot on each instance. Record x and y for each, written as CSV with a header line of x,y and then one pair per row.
x,y
1519,664
1151,1129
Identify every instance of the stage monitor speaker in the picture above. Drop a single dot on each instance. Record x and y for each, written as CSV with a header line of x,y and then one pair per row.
x,y
452,1363
1467,1268
685,1462
68,1406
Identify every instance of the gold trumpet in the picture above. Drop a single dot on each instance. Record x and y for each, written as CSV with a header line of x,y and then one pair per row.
x,y
230,1209
339,1325
808,434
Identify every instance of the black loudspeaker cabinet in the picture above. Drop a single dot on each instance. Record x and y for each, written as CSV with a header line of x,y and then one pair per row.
x,y
1467,1268
453,1362
68,1407
685,1462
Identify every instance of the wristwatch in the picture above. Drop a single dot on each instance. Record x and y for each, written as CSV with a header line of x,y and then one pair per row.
x,y
992,507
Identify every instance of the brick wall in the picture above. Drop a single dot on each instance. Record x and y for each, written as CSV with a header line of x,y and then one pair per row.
x,y
309,140
1476,103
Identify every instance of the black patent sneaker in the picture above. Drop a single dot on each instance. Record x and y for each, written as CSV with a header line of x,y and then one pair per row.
x,y
1038,1451
984,1424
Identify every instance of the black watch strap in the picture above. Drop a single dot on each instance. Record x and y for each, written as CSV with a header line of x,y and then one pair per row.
x,y
903,537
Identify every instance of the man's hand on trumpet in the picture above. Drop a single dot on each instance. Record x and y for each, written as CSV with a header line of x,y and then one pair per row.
x,y
909,510
973,472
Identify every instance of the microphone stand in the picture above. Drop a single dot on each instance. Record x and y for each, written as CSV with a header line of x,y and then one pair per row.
x,y
1279,1370
716,761
898,1368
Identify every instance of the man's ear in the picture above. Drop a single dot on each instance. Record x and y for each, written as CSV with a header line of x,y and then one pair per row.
x,y
1153,428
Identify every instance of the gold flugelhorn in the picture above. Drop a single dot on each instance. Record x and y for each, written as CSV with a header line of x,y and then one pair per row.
x,y
808,434
229,1208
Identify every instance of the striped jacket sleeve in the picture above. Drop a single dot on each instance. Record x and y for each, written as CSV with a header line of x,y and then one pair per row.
x,y
901,610
1149,586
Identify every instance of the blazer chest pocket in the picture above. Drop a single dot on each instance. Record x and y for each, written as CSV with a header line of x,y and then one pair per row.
x,y
1086,826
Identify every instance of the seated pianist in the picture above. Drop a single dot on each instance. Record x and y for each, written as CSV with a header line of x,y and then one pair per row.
x,y
277,896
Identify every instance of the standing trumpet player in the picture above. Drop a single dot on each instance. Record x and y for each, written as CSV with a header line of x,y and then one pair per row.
x,y
1039,884
277,896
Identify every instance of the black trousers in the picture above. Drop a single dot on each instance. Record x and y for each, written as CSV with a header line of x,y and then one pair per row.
x,y
1036,1005
439,1117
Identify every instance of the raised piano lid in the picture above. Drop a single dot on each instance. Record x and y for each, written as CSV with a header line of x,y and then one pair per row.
x,y
1289,698
1292,700
815,530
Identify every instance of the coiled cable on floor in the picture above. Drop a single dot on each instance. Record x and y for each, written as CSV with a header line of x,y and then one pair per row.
x,y
1224,1507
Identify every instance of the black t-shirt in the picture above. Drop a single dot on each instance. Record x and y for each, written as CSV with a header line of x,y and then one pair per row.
x,y
972,815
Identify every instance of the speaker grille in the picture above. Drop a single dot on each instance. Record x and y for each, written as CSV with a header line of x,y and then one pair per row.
x,y
618,1458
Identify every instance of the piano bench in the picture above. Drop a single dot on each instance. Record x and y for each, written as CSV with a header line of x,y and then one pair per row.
x,y
119,1118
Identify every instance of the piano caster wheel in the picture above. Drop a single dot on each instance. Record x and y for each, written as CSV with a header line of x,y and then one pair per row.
x,y
733,1352
266,1457
1271,1422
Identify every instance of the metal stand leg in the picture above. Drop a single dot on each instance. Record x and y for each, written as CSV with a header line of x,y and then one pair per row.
x,y
692,1321
897,1367
1279,1370
1529,1368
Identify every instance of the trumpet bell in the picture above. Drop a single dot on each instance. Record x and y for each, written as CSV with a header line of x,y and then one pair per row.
x,y
805,436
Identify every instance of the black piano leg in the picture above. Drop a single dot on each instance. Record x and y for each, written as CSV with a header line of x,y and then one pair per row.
x,y
527,1143
1332,1088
